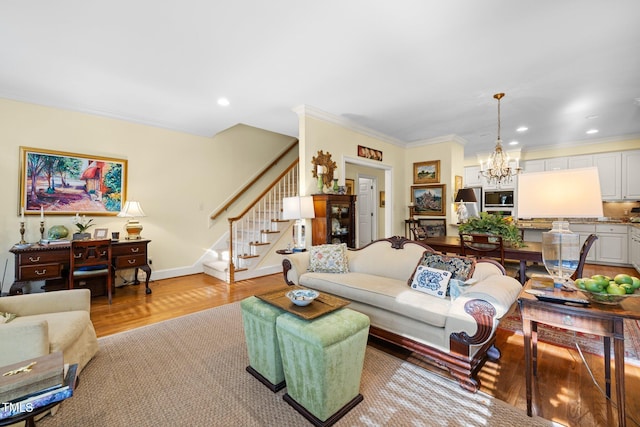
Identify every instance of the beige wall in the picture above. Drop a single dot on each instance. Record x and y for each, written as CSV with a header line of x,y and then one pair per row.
x,y
179,179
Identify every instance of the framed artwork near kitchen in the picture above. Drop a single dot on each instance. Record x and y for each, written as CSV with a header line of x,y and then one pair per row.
x,y
429,199
434,227
57,182
426,172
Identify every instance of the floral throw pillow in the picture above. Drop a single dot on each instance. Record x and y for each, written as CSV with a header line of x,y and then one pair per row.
x,y
329,259
6,317
431,281
461,268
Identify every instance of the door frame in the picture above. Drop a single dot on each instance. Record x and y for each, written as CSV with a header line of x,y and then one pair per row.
x,y
388,187
374,204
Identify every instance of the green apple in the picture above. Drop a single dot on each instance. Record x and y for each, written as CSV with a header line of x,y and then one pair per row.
x,y
623,278
635,282
580,283
627,287
593,286
603,280
614,289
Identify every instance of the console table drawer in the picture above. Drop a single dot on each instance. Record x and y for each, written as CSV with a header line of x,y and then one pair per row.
x,y
40,271
131,261
129,249
575,322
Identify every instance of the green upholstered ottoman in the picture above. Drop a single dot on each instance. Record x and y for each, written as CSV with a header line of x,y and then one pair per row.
x,y
323,361
259,321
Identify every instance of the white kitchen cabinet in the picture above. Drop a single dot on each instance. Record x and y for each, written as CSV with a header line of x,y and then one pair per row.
x,y
557,163
612,244
609,170
471,177
584,230
583,161
533,166
634,247
631,175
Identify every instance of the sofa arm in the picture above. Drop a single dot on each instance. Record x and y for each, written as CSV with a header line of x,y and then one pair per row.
x,y
293,266
473,316
47,302
28,340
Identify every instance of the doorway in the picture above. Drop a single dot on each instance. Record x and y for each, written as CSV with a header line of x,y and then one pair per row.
x,y
367,212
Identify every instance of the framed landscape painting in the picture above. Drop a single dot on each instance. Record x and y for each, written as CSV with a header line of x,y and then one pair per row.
x,y
67,183
434,227
429,199
426,172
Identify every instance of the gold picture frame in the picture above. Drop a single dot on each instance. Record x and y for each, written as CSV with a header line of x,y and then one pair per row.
x,y
429,200
426,172
349,186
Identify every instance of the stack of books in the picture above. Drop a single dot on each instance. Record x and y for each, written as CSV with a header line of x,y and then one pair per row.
x,y
35,383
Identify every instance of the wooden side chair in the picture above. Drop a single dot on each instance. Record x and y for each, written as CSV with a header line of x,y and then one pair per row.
x,y
480,246
584,251
89,259
419,233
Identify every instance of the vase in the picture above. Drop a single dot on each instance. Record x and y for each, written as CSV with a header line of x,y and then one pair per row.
x,y
81,236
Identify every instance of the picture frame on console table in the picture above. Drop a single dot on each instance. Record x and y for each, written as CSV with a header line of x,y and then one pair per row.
x,y
63,183
434,227
429,200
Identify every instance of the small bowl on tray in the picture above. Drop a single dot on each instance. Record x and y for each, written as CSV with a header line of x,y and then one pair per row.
x,y
302,297
608,299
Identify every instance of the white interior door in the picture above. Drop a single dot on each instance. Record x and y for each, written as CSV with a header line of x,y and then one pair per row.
x,y
367,219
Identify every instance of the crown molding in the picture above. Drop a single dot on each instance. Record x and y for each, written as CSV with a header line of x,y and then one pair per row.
x,y
438,140
305,110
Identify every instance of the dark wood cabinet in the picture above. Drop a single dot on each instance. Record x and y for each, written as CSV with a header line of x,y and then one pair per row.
x,y
335,219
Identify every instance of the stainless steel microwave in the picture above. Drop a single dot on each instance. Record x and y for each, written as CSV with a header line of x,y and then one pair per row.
x,y
498,198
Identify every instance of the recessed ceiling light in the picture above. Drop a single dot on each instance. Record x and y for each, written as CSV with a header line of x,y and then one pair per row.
x,y
514,143
522,129
223,102
592,131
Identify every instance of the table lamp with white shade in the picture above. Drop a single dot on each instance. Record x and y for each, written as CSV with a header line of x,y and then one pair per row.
x,y
132,210
298,208
560,194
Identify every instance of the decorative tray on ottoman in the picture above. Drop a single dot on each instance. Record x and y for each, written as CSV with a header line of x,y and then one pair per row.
x,y
322,305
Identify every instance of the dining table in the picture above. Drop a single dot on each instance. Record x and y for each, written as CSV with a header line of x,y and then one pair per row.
x,y
529,252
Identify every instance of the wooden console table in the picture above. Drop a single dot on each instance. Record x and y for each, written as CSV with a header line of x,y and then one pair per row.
x,y
606,321
51,262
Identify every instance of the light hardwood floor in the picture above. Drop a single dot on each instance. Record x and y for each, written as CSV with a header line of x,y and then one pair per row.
x,y
565,392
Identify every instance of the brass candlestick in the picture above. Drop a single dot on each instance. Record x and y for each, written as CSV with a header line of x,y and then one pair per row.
x,y
22,230
41,229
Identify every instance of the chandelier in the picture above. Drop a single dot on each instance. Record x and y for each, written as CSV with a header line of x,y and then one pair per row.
x,y
498,169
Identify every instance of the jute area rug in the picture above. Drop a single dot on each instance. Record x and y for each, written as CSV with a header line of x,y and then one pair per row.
x,y
588,342
191,371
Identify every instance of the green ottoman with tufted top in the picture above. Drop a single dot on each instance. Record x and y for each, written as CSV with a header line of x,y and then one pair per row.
x,y
322,360
259,321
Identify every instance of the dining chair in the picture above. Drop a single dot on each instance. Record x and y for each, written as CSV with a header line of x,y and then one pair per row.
x,y
480,245
89,259
584,251
419,233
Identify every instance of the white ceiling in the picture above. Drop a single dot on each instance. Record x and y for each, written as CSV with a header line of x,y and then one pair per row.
x,y
410,69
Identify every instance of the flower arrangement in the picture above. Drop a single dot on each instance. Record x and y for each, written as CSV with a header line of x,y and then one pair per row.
x,y
82,224
488,223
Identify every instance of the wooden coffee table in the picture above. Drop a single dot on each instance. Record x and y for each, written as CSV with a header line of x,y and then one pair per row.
x,y
322,305
606,321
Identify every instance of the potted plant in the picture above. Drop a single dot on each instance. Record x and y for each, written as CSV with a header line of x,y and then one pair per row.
x,y
498,225
82,225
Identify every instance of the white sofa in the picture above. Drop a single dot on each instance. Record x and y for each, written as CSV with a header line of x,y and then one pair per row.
x,y
458,334
46,323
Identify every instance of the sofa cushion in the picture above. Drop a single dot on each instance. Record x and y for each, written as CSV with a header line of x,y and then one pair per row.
x,y
431,281
328,258
461,268
383,292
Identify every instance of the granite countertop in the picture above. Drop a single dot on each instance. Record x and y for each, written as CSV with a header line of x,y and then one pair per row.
x,y
546,223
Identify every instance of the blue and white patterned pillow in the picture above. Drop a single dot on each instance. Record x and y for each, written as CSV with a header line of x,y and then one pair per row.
x,y
431,281
329,259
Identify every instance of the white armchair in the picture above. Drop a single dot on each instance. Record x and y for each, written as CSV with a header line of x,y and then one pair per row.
x,y
48,322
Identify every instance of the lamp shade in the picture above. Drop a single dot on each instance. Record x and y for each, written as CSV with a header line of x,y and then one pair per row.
x,y
570,193
466,195
131,210
297,207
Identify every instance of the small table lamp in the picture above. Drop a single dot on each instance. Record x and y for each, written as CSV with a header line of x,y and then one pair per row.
x,y
298,208
570,193
132,210
465,195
